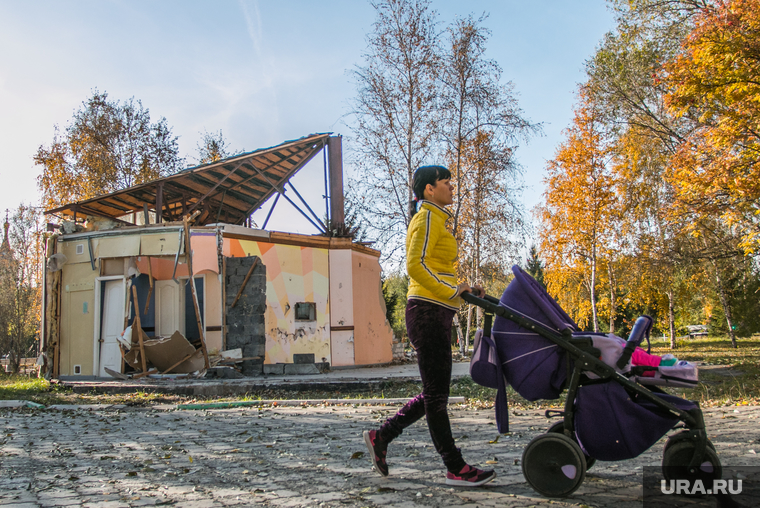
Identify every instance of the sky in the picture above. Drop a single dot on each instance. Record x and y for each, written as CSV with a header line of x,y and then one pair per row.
x,y
261,72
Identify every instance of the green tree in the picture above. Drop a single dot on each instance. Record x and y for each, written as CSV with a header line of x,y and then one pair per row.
x,y
107,146
395,287
534,265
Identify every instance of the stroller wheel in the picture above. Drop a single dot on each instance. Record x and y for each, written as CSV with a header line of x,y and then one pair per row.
x,y
682,436
554,465
676,460
559,428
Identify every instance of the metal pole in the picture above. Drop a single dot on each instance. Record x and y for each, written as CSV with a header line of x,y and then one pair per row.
x,y
266,221
304,202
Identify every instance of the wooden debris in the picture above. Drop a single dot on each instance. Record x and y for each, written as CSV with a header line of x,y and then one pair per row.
x,y
136,328
189,257
178,363
143,374
150,280
245,281
117,375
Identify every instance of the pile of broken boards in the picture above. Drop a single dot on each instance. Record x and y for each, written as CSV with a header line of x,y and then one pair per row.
x,y
167,357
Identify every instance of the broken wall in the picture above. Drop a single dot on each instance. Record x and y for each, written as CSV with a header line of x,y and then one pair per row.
x,y
245,316
294,274
93,256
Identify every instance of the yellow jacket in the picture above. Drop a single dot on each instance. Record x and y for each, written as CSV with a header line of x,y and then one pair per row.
x,y
430,255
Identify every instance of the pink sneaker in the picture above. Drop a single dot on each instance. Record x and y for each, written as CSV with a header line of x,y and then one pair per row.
x,y
377,450
470,477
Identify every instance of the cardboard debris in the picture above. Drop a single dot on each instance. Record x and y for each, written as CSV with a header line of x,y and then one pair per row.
x,y
133,356
163,352
232,354
114,374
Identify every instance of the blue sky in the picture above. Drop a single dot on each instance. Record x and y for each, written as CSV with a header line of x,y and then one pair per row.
x,y
262,72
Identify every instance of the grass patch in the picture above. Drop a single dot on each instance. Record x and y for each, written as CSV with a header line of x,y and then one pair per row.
x,y
730,377
18,387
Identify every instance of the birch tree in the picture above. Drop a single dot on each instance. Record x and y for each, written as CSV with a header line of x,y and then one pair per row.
x,y
653,234
480,116
577,217
396,115
481,126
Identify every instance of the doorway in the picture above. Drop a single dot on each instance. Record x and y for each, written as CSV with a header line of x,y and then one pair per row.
x,y
170,306
111,325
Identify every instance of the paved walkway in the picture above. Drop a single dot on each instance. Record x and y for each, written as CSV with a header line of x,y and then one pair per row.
x,y
295,456
348,378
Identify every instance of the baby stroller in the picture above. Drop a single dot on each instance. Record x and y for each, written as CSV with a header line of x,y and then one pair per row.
x,y
530,343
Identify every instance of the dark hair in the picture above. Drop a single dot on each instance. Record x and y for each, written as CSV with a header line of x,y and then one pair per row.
x,y
425,175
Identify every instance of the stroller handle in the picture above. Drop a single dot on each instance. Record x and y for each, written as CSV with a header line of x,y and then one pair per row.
x,y
489,303
494,306
640,330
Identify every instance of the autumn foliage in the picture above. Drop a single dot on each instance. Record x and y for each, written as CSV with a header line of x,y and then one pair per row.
x,y
716,84
653,198
109,145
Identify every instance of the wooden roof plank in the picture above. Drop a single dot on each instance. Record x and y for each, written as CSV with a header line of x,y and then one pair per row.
x,y
254,177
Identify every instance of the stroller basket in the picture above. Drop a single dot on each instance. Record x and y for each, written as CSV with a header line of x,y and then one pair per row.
x,y
540,352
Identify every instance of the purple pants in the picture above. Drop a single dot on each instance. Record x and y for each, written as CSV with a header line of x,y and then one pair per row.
x,y
429,328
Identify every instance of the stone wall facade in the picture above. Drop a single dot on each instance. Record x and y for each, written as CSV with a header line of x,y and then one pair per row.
x,y
245,321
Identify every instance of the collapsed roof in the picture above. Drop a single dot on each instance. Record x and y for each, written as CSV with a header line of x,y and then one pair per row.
x,y
229,190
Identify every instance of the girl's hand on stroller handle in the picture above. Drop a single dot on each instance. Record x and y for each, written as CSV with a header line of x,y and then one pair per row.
x,y
476,290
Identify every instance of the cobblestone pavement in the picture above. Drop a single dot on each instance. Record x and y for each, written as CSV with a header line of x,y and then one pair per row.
x,y
295,456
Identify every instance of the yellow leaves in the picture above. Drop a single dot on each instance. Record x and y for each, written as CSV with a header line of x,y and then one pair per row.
x,y
715,81
108,145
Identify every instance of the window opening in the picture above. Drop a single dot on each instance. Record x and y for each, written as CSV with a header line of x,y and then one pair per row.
x,y
306,311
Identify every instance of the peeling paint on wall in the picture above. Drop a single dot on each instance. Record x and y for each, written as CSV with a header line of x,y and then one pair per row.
x,y
294,274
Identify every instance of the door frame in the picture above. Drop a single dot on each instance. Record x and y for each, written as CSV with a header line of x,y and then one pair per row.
x,y
98,328
184,280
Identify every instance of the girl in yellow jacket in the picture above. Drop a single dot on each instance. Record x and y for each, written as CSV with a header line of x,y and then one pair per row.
x,y
432,302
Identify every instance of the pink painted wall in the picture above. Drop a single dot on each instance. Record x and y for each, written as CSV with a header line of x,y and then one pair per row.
x,y
373,337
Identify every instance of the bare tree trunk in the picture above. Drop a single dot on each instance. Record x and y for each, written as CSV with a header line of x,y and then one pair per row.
x,y
467,330
592,288
671,318
612,296
476,278
460,336
725,304
465,346
14,362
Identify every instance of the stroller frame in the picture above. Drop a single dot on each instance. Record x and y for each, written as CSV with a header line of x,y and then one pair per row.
x,y
684,452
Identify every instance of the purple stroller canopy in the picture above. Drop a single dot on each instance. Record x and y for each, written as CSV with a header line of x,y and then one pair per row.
x,y
533,365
